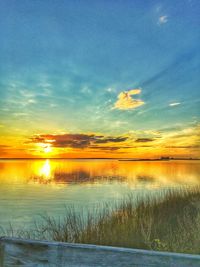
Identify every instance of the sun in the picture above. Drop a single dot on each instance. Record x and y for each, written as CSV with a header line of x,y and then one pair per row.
x,y
44,148
47,148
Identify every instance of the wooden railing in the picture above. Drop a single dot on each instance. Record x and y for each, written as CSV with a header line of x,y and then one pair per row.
x,y
30,253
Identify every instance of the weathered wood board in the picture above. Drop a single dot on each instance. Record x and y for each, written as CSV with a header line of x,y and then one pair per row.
x,y
30,253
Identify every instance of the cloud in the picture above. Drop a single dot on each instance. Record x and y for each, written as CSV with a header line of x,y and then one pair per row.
x,y
19,114
4,146
110,89
193,146
86,90
144,140
110,140
108,148
163,19
119,123
75,140
174,104
126,101
185,140
31,101
64,140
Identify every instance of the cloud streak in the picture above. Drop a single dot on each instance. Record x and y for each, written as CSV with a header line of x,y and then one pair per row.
x,y
174,104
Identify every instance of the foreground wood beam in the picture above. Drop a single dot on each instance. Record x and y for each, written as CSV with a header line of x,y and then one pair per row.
x,y
30,253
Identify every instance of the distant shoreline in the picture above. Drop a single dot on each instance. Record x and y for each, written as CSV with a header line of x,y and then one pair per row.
x,y
157,159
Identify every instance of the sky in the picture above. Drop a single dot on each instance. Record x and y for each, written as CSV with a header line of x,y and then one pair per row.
x,y
99,78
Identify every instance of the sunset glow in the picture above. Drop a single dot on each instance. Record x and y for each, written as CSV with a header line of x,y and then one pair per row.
x,y
47,148
99,128
99,79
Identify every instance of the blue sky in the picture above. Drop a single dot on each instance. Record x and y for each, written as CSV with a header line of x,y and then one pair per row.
x,y
65,63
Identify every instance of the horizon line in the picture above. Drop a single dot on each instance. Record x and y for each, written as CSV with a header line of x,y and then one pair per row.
x,y
120,158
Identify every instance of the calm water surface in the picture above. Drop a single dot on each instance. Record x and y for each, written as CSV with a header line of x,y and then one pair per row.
x,y
32,187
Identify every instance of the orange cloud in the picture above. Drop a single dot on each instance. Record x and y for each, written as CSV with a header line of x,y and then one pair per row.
x,y
75,140
126,101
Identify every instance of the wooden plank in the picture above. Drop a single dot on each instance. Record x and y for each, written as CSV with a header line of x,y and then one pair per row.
x,y
30,253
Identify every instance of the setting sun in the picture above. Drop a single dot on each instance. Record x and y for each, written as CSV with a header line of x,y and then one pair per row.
x,y
47,149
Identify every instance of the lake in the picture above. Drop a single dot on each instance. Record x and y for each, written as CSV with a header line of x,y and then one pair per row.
x,y
29,188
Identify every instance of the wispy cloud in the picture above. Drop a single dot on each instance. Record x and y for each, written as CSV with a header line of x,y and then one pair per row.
x,y
163,19
182,138
31,101
174,104
110,90
126,101
86,90
4,146
19,114
119,123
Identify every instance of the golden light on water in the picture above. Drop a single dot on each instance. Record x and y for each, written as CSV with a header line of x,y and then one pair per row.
x,y
45,170
64,171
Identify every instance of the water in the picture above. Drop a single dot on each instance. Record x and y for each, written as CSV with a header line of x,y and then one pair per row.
x,y
29,188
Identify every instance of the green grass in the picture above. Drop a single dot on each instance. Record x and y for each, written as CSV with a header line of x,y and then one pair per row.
x,y
169,223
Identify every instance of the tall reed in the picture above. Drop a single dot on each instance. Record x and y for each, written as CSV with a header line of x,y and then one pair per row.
x,y
169,223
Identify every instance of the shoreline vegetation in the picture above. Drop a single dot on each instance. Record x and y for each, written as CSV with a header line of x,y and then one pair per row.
x,y
166,223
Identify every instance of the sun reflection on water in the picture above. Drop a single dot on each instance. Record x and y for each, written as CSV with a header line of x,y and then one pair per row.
x,y
45,170
42,172
146,174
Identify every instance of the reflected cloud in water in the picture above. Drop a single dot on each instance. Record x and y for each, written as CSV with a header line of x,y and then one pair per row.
x,y
47,173
145,178
132,173
100,171
31,187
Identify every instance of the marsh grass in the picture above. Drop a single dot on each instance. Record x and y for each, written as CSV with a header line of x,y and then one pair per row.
x,y
169,223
